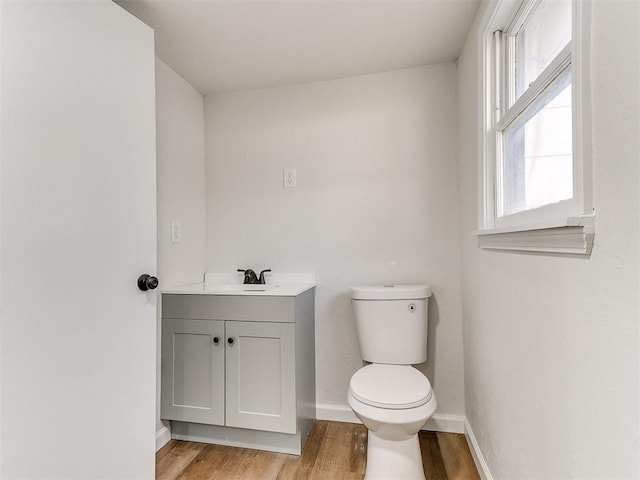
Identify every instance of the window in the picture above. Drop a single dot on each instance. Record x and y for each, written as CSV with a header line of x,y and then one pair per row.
x,y
536,172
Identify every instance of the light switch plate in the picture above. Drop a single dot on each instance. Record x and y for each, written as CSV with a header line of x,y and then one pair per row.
x,y
176,232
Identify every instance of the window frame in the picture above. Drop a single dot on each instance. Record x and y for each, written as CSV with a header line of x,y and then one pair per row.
x,y
509,16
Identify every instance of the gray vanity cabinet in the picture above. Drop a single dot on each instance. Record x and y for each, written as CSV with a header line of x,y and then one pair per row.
x,y
234,364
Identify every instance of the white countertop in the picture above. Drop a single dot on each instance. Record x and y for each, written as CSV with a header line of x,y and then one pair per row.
x,y
278,285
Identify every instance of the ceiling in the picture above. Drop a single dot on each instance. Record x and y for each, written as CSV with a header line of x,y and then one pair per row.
x,y
220,46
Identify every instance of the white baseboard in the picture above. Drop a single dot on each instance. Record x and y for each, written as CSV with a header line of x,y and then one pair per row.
x,y
439,422
481,464
446,422
162,437
335,413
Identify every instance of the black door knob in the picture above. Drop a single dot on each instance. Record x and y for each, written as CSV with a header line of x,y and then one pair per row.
x,y
230,340
216,340
147,282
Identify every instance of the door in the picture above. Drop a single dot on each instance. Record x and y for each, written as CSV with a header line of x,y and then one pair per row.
x,y
193,371
261,376
77,228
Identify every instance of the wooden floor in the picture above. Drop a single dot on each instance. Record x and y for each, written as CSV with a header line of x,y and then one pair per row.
x,y
334,451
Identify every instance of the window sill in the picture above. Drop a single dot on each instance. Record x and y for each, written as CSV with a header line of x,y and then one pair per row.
x,y
571,235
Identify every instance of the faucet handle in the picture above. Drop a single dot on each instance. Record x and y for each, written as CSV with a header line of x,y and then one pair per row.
x,y
262,280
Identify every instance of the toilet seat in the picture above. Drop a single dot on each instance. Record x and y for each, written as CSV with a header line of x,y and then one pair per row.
x,y
390,386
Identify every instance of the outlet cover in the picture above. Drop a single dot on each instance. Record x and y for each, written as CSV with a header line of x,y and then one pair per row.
x,y
289,177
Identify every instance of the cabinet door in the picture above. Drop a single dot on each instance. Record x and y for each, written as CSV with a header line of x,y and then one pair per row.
x,y
193,371
261,376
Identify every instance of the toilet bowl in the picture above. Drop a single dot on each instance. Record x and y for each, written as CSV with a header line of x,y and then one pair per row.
x,y
393,402
392,398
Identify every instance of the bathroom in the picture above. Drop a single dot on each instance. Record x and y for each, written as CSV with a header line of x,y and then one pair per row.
x,y
533,356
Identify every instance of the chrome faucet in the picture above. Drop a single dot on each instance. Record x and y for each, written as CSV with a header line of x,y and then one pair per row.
x,y
251,278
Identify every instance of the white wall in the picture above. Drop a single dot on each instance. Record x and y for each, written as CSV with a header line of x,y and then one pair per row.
x,y
376,202
180,176
551,342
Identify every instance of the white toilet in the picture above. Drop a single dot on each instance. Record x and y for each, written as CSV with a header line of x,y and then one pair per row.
x,y
393,399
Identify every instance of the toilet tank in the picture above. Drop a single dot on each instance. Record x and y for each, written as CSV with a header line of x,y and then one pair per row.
x,y
391,322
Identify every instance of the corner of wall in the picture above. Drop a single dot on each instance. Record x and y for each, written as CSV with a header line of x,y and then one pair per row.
x,y
180,192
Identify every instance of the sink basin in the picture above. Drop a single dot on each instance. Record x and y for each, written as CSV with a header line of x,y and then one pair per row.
x,y
229,284
232,288
257,288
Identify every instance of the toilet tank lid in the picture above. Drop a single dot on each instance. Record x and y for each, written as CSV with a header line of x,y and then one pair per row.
x,y
390,292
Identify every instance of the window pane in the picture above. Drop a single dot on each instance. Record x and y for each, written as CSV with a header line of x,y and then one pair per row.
x,y
537,165
544,34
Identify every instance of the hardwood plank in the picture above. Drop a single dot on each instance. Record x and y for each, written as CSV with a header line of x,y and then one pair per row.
x,y
358,458
334,457
217,461
296,467
236,464
203,466
432,462
289,471
176,459
457,457
165,449
264,465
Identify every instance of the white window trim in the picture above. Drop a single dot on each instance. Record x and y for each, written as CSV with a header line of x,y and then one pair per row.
x,y
569,235
533,230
